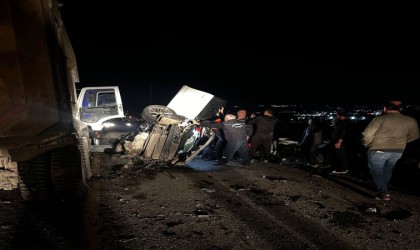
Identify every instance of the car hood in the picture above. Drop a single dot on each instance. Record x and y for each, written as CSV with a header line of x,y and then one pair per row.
x,y
195,104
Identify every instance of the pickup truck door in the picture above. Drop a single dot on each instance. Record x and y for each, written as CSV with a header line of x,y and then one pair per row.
x,y
96,105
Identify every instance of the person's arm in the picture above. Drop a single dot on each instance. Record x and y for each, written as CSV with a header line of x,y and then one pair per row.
x,y
253,120
369,132
217,125
249,130
413,133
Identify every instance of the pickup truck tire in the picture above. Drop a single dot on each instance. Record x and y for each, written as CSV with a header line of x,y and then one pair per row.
x,y
161,114
34,178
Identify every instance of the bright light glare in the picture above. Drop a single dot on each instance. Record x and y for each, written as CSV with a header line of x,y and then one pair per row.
x,y
108,124
196,133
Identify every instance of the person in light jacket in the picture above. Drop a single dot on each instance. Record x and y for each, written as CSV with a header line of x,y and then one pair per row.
x,y
386,137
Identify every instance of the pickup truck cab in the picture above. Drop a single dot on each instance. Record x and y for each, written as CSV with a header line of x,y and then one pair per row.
x,y
98,105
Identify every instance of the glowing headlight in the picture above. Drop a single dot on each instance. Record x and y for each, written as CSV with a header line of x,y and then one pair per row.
x,y
108,124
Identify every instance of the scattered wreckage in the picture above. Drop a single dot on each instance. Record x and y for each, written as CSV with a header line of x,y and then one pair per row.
x,y
171,135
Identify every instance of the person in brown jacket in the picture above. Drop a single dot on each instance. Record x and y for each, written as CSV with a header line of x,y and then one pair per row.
x,y
386,137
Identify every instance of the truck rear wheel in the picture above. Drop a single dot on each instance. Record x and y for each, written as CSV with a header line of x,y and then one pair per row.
x,y
67,172
34,178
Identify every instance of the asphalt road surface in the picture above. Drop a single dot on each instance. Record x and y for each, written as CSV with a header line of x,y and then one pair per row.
x,y
264,206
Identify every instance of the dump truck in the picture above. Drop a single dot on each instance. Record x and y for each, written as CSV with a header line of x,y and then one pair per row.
x,y
44,147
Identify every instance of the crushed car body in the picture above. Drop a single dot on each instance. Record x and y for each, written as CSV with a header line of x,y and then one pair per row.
x,y
171,135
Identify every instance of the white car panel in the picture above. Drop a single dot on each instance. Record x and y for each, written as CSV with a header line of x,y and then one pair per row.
x,y
189,102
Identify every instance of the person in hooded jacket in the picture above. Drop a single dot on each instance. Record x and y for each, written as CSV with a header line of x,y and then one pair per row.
x,y
263,134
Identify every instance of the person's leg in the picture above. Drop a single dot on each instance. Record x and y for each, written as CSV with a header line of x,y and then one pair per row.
x,y
267,147
243,152
220,145
393,157
205,153
342,162
211,150
231,148
313,154
255,143
376,163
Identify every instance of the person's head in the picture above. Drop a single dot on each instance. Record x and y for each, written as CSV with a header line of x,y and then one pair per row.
x,y
229,117
268,112
393,106
241,114
310,121
342,115
314,122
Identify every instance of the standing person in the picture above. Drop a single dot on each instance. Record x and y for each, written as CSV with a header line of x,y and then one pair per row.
x,y
240,116
264,130
344,140
236,134
386,137
311,139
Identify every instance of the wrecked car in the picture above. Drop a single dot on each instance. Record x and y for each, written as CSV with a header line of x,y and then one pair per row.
x,y
171,135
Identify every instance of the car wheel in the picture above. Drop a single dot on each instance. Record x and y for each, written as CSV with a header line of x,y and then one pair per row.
x,y
161,114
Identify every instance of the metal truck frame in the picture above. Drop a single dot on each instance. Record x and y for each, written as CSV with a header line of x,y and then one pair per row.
x,y
44,147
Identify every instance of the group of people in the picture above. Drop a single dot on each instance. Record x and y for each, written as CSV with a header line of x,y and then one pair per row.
x,y
344,143
240,136
384,138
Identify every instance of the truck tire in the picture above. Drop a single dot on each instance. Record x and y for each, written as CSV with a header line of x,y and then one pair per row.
x,y
67,173
161,114
34,178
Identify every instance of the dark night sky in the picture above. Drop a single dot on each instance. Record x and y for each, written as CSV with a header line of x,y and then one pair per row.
x,y
246,52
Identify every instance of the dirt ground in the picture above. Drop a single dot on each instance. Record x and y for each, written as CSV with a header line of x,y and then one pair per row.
x,y
264,206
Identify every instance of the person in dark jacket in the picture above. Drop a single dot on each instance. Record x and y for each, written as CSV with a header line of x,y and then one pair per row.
x,y
311,139
263,134
345,139
236,134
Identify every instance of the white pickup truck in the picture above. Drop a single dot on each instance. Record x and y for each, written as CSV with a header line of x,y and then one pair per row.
x,y
96,106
